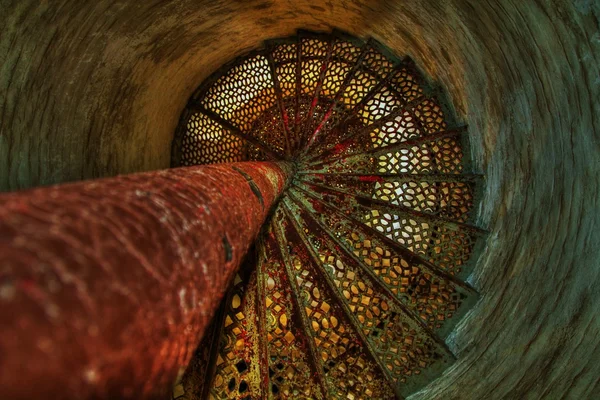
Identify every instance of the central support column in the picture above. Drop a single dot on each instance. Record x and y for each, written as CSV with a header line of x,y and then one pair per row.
x,y
106,286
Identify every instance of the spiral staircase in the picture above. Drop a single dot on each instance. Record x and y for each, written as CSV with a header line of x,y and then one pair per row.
x,y
359,276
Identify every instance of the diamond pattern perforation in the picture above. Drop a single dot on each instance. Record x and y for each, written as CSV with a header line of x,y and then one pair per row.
x,y
348,369
242,94
445,243
434,298
288,356
237,373
285,52
209,143
430,116
287,79
443,156
345,50
378,63
400,342
434,194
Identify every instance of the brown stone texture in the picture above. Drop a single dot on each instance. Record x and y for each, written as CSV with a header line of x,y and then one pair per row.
x,y
106,286
96,89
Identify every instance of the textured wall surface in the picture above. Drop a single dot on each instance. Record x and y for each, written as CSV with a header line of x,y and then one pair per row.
x,y
95,89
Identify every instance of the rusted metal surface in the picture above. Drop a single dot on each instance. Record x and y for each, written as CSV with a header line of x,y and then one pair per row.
x,y
360,275
107,286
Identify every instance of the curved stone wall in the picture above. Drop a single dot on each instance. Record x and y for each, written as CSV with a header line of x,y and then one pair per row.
x,y
90,90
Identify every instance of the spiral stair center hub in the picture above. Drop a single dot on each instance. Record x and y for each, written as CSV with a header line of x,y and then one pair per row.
x,y
359,276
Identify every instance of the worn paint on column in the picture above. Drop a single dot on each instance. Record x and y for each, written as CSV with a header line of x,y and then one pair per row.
x,y
106,286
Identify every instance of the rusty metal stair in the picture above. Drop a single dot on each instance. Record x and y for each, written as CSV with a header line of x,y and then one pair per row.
x,y
360,275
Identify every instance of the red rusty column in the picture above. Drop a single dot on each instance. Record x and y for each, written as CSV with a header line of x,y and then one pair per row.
x,y
106,286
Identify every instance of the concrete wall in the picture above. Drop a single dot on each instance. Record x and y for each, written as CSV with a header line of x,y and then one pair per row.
x,y
90,89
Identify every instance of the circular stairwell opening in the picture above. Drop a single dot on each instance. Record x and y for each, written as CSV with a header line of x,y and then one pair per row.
x,y
360,274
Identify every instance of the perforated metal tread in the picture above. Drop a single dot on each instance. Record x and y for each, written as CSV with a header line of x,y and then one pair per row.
x,y
359,275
